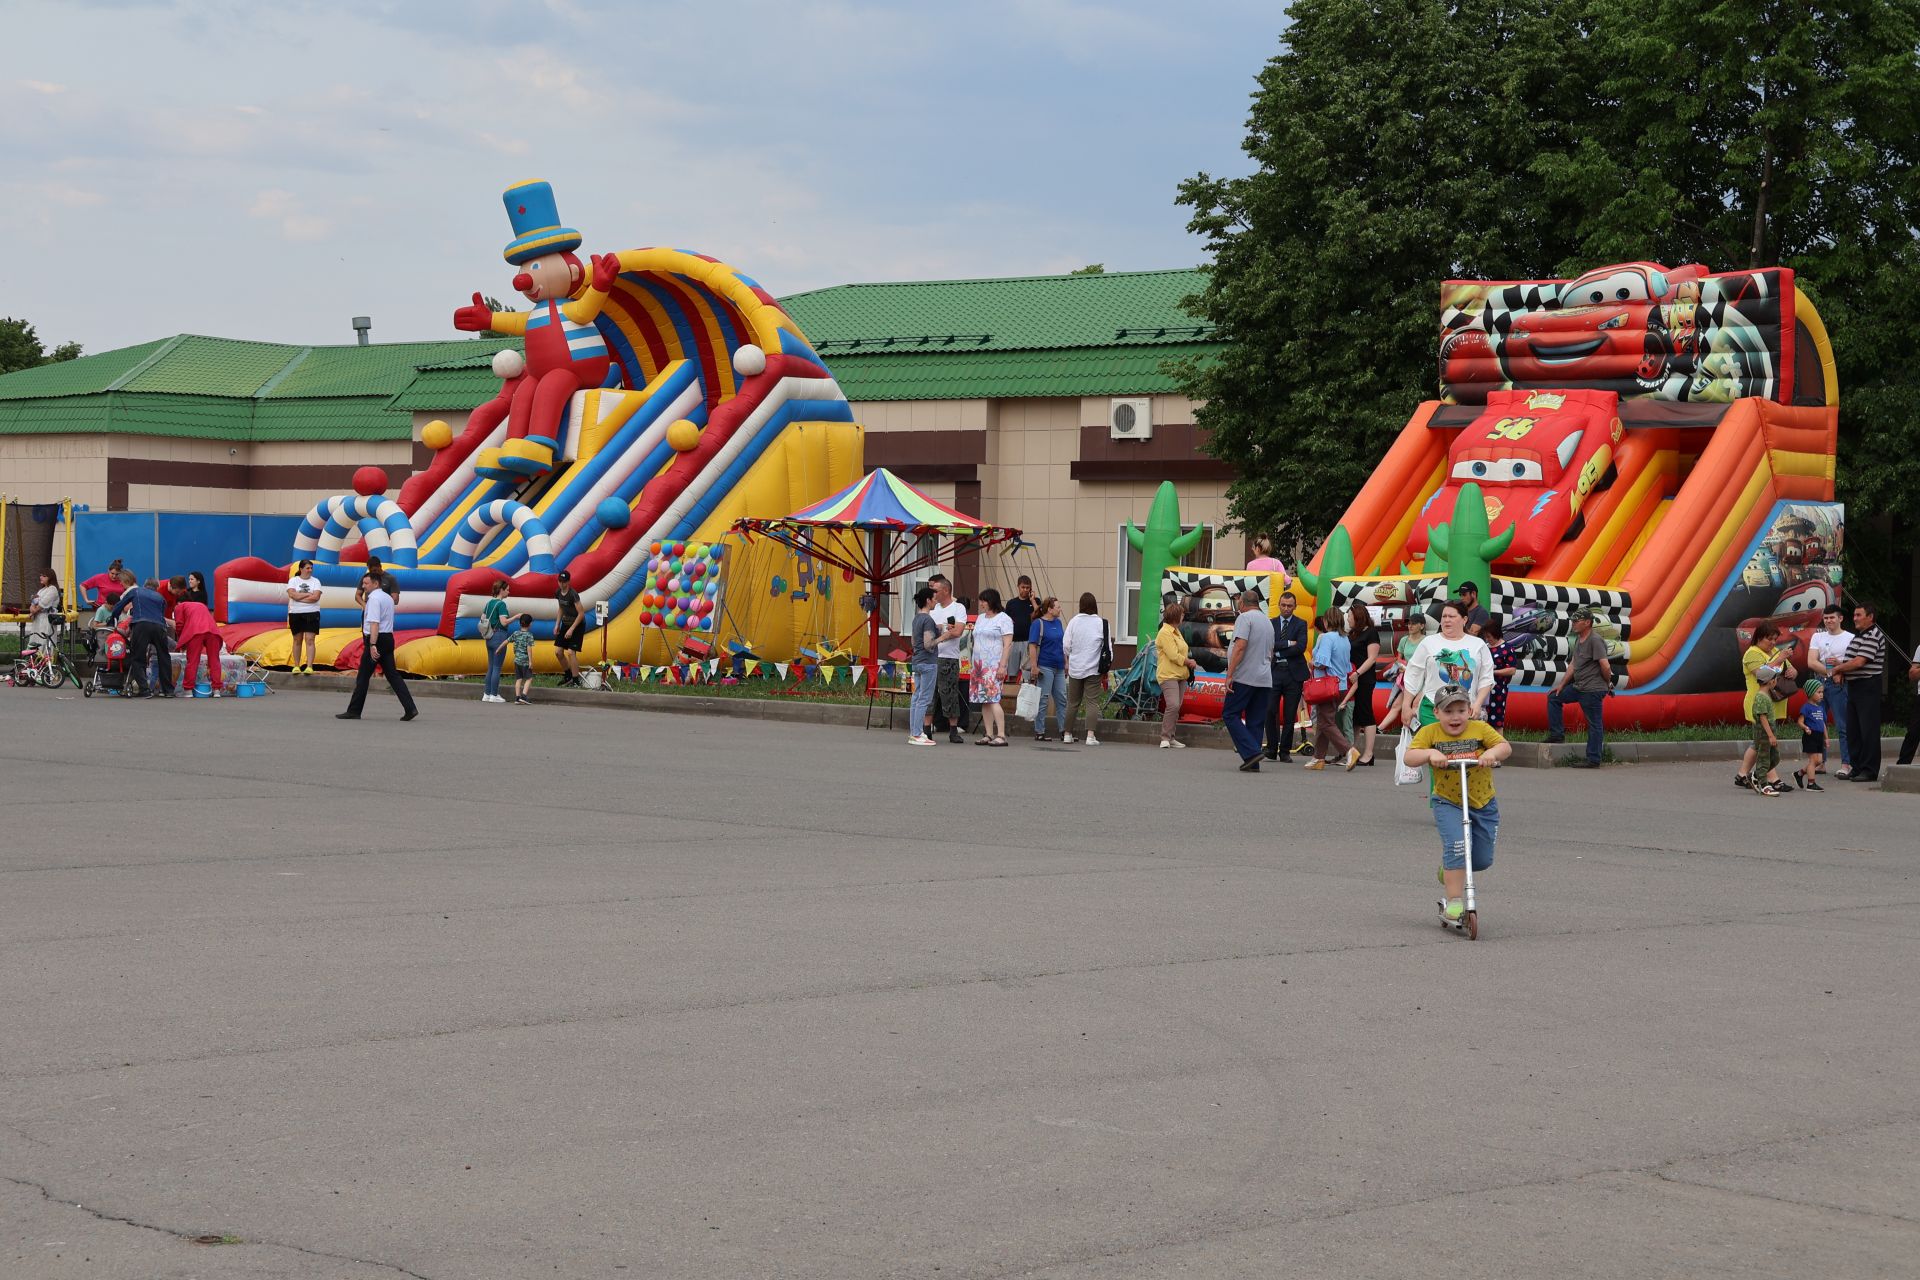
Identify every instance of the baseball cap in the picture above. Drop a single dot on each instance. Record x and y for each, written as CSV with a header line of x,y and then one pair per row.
x,y
1448,695
1581,612
1764,674
1812,686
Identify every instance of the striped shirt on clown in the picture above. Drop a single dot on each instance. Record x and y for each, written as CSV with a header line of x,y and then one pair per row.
x,y
583,340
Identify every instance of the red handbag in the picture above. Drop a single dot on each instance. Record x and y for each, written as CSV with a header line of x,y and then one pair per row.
x,y
1321,689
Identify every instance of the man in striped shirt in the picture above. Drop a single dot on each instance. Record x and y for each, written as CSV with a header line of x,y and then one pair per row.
x,y
1864,671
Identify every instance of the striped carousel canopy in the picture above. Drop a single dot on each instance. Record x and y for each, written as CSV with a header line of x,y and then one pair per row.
x,y
884,501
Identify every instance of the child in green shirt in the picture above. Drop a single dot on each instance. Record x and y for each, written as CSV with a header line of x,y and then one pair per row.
x,y
1454,736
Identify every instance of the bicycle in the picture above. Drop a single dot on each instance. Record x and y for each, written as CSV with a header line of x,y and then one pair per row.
x,y
47,668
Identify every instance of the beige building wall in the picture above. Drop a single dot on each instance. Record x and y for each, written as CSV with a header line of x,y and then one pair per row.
x,y
50,468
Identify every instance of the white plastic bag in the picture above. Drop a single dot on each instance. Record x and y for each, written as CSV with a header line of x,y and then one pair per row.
x,y
1404,774
1027,705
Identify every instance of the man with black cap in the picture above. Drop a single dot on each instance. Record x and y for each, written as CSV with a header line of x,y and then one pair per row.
x,y
1587,680
569,631
1477,616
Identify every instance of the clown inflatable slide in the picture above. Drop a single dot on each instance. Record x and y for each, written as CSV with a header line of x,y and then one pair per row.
x,y
1655,444
662,396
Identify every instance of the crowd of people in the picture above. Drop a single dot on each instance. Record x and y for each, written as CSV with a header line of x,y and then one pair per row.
x,y
1271,668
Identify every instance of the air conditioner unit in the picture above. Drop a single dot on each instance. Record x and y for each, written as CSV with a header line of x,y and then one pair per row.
x,y
1130,419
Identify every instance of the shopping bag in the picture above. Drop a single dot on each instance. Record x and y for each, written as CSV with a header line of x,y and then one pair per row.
x,y
1404,774
1027,705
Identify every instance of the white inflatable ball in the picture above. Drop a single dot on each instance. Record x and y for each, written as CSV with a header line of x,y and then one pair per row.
x,y
509,364
749,361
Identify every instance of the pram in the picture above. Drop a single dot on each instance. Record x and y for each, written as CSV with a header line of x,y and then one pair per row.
x,y
110,663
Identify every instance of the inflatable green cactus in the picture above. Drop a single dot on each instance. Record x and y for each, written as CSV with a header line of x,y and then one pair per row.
x,y
1466,545
1336,561
1161,546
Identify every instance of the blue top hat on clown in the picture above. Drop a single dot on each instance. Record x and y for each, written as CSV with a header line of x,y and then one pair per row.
x,y
565,350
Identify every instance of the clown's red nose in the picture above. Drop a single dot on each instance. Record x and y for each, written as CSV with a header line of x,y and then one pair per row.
x,y
522,282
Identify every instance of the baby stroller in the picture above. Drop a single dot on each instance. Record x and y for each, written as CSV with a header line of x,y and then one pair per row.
x,y
110,663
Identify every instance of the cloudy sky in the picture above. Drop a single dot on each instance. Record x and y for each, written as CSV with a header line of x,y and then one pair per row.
x,y
269,170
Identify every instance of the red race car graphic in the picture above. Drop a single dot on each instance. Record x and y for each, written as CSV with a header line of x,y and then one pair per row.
x,y
1536,455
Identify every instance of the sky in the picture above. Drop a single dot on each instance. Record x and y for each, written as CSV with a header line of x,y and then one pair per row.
x,y
269,170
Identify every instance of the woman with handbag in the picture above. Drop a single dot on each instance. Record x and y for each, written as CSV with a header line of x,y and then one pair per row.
x,y
1047,668
1173,671
1332,662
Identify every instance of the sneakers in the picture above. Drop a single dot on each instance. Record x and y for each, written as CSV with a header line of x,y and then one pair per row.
x,y
1353,758
1800,779
1067,738
1454,910
1764,788
1743,780
1250,766
954,735
1165,745
1091,740
216,693
491,697
523,702
1813,784
1176,744
919,740
1315,764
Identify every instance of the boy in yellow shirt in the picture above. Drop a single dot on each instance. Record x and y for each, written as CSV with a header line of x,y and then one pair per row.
x,y
1454,736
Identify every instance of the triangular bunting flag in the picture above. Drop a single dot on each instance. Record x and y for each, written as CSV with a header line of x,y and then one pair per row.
x,y
782,668
753,666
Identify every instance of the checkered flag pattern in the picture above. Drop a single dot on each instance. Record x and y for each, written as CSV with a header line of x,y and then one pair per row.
x,y
1183,583
1508,598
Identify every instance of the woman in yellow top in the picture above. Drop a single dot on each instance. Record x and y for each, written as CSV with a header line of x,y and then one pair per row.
x,y
1173,671
1765,651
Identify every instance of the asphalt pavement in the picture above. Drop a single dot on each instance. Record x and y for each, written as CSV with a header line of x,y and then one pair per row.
x,y
515,992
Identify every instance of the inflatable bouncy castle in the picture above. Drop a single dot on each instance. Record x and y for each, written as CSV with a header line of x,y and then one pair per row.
x,y
662,395
1655,444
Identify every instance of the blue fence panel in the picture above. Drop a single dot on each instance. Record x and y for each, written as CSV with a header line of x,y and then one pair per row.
x,y
190,543
101,537
273,536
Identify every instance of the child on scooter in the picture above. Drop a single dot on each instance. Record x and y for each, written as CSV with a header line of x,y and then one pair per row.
x,y
1813,735
1454,736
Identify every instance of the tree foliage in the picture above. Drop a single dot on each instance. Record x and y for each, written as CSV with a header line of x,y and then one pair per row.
x,y
21,347
1399,143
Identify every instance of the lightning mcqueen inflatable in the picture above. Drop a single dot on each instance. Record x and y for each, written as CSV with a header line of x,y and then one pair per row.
x,y
1536,455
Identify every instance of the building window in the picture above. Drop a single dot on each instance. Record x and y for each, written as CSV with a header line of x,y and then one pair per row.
x,y
905,587
1200,557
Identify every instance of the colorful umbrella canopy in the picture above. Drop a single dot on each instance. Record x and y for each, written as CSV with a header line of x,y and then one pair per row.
x,y
883,500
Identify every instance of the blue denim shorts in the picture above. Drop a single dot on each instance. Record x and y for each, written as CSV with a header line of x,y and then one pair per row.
x,y
1486,829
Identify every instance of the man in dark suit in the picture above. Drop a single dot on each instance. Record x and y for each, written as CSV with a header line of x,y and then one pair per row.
x,y
1289,676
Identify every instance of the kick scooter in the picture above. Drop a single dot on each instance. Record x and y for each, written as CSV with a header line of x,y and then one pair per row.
x,y
1469,921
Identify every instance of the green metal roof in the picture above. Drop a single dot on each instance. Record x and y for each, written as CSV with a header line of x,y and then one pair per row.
x,y
1023,313
228,389
911,340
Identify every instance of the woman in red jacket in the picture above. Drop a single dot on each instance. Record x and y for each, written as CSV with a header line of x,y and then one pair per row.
x,y
195,630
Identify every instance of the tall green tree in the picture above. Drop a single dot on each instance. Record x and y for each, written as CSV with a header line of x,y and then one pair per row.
x,y
21,347
1399,143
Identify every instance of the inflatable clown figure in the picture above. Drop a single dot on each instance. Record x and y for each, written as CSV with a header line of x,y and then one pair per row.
x,y
565,350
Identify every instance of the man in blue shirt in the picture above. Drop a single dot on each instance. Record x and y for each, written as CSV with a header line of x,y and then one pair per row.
x,y
377,645
148,633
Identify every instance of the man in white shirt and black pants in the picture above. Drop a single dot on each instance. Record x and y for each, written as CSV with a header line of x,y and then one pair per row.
x,y
377,634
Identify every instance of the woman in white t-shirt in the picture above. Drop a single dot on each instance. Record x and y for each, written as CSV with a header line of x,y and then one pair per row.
x,y
992,630
43,610
303,615
1451,657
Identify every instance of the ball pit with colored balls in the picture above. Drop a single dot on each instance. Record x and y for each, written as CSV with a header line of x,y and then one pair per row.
x,y
368,481
683,435
613,513
436,435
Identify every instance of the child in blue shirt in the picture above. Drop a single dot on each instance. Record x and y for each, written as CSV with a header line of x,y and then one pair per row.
x,y
1813,735
522,642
